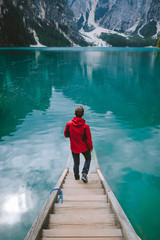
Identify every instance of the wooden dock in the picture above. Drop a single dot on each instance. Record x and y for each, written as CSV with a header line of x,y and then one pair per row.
x,y
89,211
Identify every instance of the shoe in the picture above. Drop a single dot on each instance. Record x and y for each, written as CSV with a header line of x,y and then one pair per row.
x,y
77,177
84,177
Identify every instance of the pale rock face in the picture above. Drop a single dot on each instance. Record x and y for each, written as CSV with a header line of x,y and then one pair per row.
x,y
124,14
80,7
119,15
82,10
154,11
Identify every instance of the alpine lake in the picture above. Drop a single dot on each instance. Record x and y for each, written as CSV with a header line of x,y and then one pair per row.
x,y
40,88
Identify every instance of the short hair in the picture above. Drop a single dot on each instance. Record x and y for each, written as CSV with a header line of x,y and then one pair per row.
x,y
79,112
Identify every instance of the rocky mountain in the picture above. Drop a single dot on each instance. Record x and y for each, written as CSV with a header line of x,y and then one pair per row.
x,y
38,23
79,22
138,18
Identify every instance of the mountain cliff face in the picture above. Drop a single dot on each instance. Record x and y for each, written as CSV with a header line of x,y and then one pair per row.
x,y
131,17
37,22
119,15
75,22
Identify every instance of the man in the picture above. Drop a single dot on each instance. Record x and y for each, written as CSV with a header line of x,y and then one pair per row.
x,y
80,142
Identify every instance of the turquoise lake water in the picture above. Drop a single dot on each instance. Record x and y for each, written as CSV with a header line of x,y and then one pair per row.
x,y
39,90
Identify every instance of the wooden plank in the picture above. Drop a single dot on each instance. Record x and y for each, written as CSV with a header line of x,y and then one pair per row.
x,y
81,218
93,181
87,198
82,205
84,238
82,232
82,211
71,174
37,226
81,191
90,176
84,226
80,184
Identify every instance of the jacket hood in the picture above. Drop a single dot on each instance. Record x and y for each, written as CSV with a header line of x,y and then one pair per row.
x,y
78,121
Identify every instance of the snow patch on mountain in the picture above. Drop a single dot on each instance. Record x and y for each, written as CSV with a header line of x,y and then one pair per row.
x,y
36,39
158,31
140,30
93,37
158,27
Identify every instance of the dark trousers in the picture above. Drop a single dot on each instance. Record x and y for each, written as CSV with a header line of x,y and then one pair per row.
x,y
87,162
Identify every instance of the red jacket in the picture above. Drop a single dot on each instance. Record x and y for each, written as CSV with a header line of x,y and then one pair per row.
x,y
80,135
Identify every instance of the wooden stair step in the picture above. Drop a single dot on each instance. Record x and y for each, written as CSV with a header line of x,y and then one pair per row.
x,y
90,175
81,218
82,211
91,233
82,238
87,198
73,181
82,205
80,184
75,191
84,226
70,173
